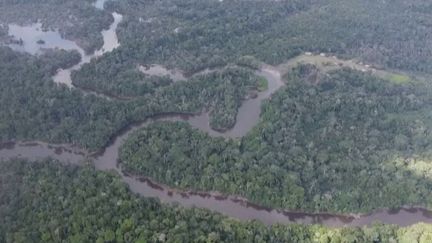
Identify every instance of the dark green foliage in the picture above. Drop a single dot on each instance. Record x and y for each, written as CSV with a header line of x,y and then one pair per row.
x,y
119,79
248,61
32,107
354,142
348,143
47,202
191,35
195,34
220,92
175,153
56,59
3,32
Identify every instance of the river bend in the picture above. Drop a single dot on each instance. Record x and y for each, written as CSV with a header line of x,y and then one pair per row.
x,y
236,207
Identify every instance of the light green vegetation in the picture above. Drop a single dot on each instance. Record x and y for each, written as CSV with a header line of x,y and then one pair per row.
x,y
327,64
262,84
398,78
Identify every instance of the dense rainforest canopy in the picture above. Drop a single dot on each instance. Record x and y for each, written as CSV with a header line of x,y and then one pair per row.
x,y
194,35
33,107
48,202
340,141
344,142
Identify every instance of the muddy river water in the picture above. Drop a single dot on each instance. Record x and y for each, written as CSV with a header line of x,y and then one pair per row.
x,y
240,208
248,116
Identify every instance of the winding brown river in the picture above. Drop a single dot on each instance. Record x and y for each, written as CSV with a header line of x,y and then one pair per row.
x,y
240,208
247,117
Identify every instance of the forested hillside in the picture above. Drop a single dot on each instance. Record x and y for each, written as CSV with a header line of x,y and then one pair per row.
x,y
47,202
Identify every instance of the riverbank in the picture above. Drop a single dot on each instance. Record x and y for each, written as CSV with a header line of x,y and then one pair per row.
x,y
232,206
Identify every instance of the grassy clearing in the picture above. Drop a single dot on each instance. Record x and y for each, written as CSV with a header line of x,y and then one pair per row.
x,y
262,84
398,78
